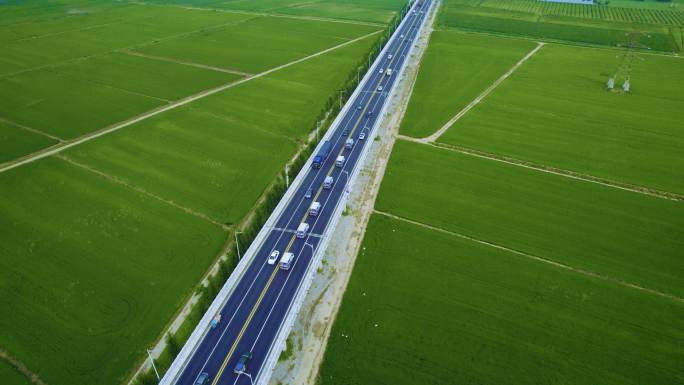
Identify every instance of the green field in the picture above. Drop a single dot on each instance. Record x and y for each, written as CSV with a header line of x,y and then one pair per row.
x,y
424,307
455,69
158,79
16,142
10,376
604,25
616,233
378,11
554,111
67,81
91,270
228,143
258,44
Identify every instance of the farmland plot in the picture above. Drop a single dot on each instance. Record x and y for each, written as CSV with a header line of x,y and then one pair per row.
x,y
618,234
454,70
554,110
16,141
423,307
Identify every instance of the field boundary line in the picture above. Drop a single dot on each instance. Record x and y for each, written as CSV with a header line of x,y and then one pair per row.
x,y
181,102
186,63
21,368
270,14
480,97
587,273
34,130
141,190
57,33
556,171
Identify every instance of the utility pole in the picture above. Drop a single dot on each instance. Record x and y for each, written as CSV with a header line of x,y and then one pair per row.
x,y
153,367
237,244
287,176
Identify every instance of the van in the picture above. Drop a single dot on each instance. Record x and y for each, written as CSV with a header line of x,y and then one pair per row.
x,y
314,209
328,182
349,144
302,230
286,261
389,72
202,379
340,161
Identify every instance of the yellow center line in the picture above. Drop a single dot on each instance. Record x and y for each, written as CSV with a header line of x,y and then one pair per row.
x,y
294,237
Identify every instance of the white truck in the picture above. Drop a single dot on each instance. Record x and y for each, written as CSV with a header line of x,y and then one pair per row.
x,y
302,230
286,261
388,72
328,182
315,209
340,161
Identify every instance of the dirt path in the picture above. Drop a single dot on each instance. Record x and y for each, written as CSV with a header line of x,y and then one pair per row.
x,y
21,368
553,170
142,191
187,63
537,258
107,130
479,98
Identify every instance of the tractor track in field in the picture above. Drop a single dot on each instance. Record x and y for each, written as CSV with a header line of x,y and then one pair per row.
x,y
537,258
21,368
142,191
187,63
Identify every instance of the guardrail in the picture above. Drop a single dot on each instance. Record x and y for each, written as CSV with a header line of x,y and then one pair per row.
x,y
200,331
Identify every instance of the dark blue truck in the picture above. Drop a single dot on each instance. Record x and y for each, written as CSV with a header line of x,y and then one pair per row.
x,y
322,154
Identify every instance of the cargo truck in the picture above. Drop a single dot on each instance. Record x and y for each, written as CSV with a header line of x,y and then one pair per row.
x,y
302,230
286,261
322,154
314,209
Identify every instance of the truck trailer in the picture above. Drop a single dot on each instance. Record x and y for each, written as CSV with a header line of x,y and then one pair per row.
x,y
322,154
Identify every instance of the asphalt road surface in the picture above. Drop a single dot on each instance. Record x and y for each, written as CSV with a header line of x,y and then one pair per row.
x,y
260,301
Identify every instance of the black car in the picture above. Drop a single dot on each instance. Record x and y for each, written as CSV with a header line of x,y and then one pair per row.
x,y
369,113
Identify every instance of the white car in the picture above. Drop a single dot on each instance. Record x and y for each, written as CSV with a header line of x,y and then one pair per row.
x,y
273,257
389,57
381,70
379,88
362,135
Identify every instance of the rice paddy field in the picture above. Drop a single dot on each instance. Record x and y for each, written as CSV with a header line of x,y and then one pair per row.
x,y
554,111
539,239
104,241
648,27
426,307
455,68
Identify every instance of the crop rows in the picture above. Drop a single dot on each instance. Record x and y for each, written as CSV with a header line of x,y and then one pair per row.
x,y
600,12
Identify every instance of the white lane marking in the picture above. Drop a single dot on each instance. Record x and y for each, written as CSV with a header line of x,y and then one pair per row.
x,y
293,216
